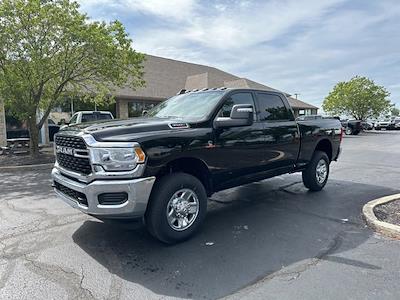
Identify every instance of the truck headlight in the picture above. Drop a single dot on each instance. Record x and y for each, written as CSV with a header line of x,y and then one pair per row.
x,y
117,159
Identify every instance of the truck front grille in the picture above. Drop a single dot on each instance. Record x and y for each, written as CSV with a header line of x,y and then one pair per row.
x,y
71,162
76,164
70,141
78,196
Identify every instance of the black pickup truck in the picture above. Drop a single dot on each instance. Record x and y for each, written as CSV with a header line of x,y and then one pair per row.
x,y
162,167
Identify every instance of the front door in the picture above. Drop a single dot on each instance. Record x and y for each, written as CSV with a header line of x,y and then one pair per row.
x,y
238,151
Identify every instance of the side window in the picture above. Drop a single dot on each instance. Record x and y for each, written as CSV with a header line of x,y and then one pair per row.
x,y
238,98
73,119
272,108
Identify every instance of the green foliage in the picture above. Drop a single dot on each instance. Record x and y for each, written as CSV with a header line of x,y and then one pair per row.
x,y
360,97
49,50
395,112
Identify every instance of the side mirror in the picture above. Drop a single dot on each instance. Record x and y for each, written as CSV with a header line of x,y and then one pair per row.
x,y
241,115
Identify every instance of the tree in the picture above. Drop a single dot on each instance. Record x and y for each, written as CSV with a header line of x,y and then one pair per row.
x,y
360,97
395,112
49,50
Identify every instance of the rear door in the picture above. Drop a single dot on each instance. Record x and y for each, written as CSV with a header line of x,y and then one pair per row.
x,y
282,139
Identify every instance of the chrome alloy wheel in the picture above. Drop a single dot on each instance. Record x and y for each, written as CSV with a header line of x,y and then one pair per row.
x,y
321,171
182,209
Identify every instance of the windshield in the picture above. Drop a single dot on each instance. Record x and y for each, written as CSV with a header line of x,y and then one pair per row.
x,y
195,105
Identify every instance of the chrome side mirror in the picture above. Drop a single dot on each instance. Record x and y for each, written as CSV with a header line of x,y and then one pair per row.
x,y
241,115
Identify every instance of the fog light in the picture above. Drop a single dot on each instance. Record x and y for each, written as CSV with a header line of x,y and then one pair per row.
x,y
112,198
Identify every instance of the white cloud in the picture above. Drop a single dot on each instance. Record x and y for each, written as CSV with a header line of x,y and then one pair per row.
x,y
246,25
176,9
296,46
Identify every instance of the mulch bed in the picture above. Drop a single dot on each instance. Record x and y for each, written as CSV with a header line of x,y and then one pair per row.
x,y
389,212
25,159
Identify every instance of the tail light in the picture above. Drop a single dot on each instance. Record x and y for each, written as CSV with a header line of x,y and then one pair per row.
x,y
341,134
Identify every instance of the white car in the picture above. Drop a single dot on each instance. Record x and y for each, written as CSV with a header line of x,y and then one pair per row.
x,y
90,116
385,124
396,123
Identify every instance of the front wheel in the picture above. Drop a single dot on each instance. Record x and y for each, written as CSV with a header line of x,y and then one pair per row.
x,y
348,131
317,172
177,208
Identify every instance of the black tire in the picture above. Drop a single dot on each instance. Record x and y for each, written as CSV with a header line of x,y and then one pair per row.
x,y
377,128
310,174
348,131
156,214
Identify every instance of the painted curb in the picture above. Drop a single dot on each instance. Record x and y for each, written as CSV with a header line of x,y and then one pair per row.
x,y
384,228
27,167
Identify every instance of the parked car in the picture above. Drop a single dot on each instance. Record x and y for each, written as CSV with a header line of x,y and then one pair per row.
x,y
367,125
162,167
89,116
352,127
383,124
395,123
53,128
308,117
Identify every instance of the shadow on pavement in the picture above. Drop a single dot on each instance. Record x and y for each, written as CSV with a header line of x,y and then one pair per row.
x,y
21,184
256,230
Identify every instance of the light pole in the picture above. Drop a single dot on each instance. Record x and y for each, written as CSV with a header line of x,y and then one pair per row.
x,y
72,106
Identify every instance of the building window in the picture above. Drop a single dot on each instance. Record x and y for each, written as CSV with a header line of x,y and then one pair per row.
x,y
136,108
307,112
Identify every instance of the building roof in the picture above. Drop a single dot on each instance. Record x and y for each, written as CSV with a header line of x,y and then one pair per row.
x,y
165,77
295,103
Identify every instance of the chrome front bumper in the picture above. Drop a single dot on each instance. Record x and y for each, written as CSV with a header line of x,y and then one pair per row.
x,y
138,191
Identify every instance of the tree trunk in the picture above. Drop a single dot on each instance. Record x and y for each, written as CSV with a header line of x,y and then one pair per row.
x,y
34,137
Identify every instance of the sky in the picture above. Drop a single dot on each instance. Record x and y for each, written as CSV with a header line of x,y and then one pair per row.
x,y
302,47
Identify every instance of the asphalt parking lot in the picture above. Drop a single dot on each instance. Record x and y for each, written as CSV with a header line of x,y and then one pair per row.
x,y
271,239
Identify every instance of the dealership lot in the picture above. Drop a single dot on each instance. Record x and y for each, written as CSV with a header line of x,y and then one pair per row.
x,y
271,238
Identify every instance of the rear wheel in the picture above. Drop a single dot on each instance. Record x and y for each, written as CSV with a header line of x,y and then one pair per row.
x,y
317,172
348,131
177,208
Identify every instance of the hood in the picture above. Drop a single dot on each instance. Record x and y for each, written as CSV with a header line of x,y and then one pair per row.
x,y
127,129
